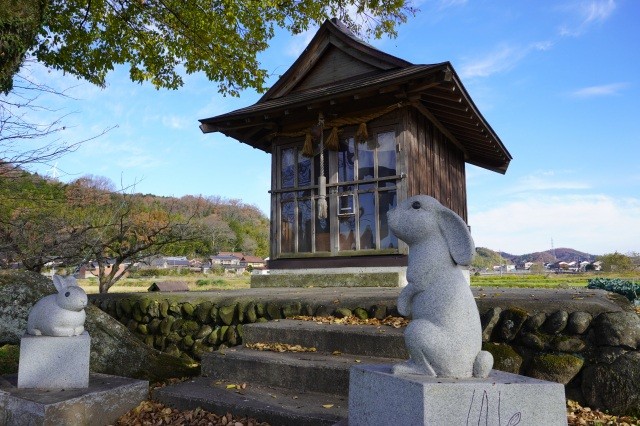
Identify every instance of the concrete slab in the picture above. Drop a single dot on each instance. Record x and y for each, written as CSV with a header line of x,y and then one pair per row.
x,y
298,371
101,403
54,362
376,396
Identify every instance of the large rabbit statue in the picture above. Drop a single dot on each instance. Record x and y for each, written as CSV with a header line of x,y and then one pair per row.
x,y
60,314
444,337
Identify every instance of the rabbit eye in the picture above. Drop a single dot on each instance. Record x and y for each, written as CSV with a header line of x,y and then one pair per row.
x,y
67,294
416,205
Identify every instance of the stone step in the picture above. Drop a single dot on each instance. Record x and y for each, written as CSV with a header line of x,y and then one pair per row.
x,y
275,405
366,340
299,371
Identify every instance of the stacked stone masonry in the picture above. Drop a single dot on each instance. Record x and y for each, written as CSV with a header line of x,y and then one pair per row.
x,y
596,356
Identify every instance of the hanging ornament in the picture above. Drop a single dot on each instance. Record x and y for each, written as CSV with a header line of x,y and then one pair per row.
x,y
322,180
362,134
307,148
332,140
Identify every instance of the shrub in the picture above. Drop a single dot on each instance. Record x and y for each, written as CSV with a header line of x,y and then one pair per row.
x,y
616,285
205,282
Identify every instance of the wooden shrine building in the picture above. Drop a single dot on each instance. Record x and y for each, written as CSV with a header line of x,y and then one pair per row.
x,y
353,131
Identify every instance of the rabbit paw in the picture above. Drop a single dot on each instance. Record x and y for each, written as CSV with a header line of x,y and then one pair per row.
x,y
410,367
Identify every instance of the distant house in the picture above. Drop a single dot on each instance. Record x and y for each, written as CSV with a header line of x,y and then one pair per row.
x,y
166,262
253,261
225,260
238,262
504,268
91,269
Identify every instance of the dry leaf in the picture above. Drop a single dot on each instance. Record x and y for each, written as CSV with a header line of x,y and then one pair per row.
x,y
278,347
327,405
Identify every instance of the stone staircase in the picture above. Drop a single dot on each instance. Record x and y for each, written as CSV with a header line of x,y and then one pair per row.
x,y
287,388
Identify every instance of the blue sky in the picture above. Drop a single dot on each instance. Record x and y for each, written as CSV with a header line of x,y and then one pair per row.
x,y
559,82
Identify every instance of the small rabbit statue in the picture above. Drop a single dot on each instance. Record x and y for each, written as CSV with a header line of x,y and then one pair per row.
x,y
60,314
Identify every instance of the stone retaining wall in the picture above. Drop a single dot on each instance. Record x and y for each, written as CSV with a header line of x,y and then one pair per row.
x,y
595,354
595,357
194,327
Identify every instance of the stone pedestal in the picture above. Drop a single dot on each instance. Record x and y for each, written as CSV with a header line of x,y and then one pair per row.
x,y
101,403
376,396
48,362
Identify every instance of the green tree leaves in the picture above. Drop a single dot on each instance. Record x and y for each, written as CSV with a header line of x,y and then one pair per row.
x,y
163,39
20,21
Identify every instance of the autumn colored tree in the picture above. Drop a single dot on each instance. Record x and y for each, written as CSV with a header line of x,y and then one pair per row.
x,y
37,225
127,228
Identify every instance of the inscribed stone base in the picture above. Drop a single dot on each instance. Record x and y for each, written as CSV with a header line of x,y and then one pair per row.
x,y
53,362
103,402
376,396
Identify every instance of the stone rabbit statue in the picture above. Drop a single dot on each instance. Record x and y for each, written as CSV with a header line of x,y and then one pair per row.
x,y
60,314
444,337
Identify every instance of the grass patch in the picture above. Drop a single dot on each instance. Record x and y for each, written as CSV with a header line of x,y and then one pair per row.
x,y
196,282
541,281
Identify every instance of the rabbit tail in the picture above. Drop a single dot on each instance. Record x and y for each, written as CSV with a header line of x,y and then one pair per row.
x,y
483,364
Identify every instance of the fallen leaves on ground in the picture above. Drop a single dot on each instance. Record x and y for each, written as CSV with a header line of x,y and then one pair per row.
x,y
578,416
278,347
150,413
395,322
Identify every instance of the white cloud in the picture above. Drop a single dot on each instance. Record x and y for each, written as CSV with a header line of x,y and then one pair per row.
x,y
175,122
543,45
602,90
547,181
445,4
596,224
299,41
503,58
584,14
139,161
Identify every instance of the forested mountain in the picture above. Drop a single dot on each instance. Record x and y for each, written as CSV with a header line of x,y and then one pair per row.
x,y
550,256
487,258
43,220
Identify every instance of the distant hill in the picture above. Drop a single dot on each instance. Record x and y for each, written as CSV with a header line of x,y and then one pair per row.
x,y
549,256
486,258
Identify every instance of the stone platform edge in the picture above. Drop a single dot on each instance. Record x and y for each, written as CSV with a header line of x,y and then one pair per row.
x,y
102,402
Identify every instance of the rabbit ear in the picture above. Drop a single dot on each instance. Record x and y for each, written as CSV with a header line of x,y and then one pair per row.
x,y
63,282
457,235
59,282
71,281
